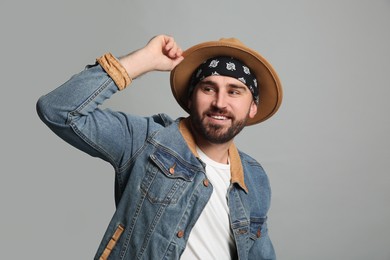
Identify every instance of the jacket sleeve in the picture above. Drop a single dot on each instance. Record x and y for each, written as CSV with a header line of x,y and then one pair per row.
x,y
72,112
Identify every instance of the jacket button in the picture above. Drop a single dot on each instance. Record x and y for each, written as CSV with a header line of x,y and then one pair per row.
x,y
206,182
180,234
171,170
258,233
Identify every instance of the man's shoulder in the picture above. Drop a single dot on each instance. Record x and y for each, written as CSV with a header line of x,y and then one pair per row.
x,y
145,126
162,119
248,159
256,179
251,166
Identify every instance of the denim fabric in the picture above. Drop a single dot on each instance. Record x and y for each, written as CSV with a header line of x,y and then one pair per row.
x,y
159,183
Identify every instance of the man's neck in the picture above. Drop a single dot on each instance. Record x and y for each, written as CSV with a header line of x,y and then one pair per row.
x,y
216,152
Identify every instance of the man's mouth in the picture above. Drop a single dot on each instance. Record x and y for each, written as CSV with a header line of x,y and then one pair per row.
x,y
219,117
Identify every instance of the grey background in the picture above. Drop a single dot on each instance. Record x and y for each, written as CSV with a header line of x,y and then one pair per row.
x,y
326,151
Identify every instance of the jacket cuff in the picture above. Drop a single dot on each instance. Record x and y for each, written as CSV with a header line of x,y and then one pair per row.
x,y
115,70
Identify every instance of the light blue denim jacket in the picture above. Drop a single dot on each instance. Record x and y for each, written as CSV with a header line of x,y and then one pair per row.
x,y
160,184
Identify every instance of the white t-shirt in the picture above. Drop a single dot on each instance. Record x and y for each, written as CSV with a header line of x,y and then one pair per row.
x,y
211,237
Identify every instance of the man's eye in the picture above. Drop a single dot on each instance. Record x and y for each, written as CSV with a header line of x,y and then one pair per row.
x,y
208,89
234,92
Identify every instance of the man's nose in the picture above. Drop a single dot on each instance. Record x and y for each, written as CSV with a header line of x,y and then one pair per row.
x,y
220,100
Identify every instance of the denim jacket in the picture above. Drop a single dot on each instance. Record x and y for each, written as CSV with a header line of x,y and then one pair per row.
x,y
160,184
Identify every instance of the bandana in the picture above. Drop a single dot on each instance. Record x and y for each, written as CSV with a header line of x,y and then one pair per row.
x,y
225,66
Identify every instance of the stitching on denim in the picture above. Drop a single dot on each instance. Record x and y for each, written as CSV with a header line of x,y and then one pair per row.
x,y
70,121
177,161
92,144
151,229
169,198
131,160
92,97
131,227
187,217
176,156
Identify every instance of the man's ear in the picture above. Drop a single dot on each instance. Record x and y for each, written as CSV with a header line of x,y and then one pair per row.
x,y
253,110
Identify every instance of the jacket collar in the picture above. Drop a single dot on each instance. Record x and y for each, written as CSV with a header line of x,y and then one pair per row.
x,y
236,169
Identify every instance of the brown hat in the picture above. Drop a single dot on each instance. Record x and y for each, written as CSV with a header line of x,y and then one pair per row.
x,y
270,87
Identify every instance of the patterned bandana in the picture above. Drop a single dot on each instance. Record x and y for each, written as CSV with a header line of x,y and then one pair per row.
x,y
225,66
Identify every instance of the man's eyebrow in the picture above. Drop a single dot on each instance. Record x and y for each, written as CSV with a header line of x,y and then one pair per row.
x,y
210,82
243,87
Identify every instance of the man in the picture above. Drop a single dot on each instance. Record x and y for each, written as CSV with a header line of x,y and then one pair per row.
x,y
182,189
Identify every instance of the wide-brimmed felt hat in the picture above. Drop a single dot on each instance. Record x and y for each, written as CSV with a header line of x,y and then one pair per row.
x,y
270,88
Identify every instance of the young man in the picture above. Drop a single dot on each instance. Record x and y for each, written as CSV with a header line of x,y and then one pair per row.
x,y
182,188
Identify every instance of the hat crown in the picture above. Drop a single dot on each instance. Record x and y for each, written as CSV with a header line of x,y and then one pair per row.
x,y
231,40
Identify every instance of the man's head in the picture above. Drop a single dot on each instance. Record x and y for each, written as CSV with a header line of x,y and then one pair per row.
x,y
267,96
223,95
220,107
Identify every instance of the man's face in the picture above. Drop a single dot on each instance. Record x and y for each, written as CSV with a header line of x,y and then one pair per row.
x,y
220,107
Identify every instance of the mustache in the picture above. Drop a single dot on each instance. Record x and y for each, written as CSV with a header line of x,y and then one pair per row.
x,y
219,111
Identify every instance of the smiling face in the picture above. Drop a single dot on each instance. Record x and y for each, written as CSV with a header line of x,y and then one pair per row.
x,y
220,107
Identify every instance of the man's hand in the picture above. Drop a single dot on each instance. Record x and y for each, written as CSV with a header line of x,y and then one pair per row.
x,y
165,52
161,53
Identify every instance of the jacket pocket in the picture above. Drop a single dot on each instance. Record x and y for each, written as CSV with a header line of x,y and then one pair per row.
x,y
166,177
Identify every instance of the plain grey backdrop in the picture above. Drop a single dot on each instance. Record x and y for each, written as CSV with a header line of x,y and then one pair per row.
x,y
326,151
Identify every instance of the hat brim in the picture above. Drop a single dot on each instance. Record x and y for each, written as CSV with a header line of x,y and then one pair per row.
x,y
270,89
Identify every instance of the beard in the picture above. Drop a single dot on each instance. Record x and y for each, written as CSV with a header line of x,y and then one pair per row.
x,y
215,133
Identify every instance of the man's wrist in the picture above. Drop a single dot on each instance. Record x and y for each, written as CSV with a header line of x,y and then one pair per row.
x,y
137,63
